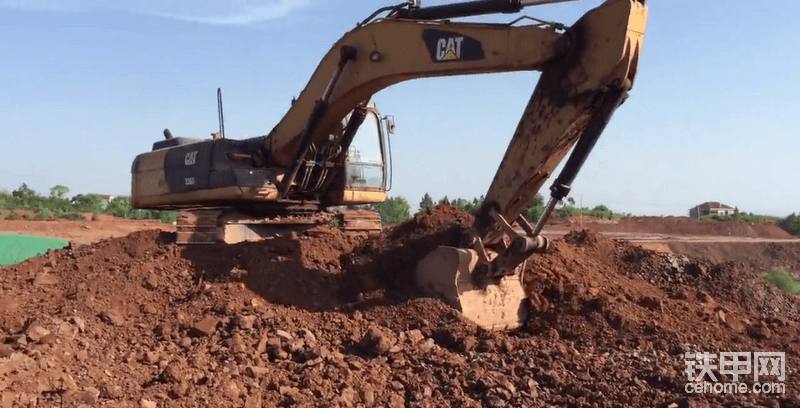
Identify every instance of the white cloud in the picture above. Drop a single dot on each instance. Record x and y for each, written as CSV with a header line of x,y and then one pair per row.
x,y
221,12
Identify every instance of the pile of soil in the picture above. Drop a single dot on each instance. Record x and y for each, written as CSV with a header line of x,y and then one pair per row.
x,y
322,319
686,226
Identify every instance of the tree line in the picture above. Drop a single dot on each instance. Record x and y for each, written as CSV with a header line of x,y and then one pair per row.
x,y
58,205
397,209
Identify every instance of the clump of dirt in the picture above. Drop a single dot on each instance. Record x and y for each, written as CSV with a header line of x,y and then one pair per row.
x,y
322,319
388,261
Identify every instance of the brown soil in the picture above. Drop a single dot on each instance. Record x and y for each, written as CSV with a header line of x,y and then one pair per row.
x,y
322,319
682,226
83,232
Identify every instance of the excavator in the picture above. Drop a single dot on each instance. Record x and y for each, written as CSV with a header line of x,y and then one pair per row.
x,y
331,149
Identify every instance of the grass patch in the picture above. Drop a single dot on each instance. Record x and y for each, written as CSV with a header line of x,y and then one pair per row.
x,y
783,280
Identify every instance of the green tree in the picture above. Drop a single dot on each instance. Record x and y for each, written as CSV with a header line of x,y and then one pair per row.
x,y
120,207
535,208
601,211
7,201
427,202
25,197
59,191
88,203
395,209
567,211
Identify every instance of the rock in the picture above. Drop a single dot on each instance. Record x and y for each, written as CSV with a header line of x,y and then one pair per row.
x,y
415,336
174,373
81,355
93,391
149,309
66,382
79,323
375,341
145,403
759,332
705,297
283,335
486,345
152,357
232,390
186,342
112,316
205,327
733,324
5,351
67,331
231,308
286,390
721,316
368,395
261,347
347,397
151,282
85,397
651,303
255,372
397,401
680,293
112,391
308,336
36,332
179,390
469,343
245,322
44,279
296,345
253,401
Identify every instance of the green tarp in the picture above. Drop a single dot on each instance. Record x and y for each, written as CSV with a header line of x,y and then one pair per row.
x,y
17,248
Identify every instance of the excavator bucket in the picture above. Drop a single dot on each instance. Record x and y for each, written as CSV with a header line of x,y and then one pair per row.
x,y
447,274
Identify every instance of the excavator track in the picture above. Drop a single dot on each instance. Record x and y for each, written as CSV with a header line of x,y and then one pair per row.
x,y
212,225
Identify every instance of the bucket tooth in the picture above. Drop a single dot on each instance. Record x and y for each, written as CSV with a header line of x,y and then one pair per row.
x,y
447,274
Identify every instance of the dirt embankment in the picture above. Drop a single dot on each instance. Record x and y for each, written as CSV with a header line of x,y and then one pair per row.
x,y
83,231
683,226
326,320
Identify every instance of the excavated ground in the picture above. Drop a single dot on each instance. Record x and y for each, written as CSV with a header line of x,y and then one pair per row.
x,y
322,319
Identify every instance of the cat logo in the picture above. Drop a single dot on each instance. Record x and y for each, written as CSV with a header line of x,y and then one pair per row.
x,y
449,49
191,158
448,46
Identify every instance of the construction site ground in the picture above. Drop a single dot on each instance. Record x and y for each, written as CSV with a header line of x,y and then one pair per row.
x,y
324,319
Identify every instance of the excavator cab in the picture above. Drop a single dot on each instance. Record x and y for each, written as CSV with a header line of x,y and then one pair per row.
x,y
368,159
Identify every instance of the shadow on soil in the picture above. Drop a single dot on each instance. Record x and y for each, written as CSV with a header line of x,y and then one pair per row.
x,y
301,272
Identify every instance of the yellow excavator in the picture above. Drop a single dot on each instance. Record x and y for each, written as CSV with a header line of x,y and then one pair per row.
x,y
331,148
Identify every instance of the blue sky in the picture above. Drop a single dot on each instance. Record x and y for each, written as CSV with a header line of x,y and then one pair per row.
x,y
88,84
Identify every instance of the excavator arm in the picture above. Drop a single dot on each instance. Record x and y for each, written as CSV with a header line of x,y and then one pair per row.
x,y
587,71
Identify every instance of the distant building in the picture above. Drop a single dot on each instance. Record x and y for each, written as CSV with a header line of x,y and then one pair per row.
x,y
712,208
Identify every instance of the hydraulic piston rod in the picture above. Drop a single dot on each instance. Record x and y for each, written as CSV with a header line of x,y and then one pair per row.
x,y
471,8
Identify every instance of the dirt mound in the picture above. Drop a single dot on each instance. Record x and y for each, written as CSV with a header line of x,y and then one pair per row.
x,y
83,231
685,226
326,320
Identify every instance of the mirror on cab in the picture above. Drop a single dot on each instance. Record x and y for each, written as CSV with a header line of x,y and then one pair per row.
x,y
389,120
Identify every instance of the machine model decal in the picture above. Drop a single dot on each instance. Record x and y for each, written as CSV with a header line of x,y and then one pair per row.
x,y
188,168
445,46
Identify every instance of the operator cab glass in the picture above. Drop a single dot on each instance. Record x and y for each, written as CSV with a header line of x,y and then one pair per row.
x,y
366,164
